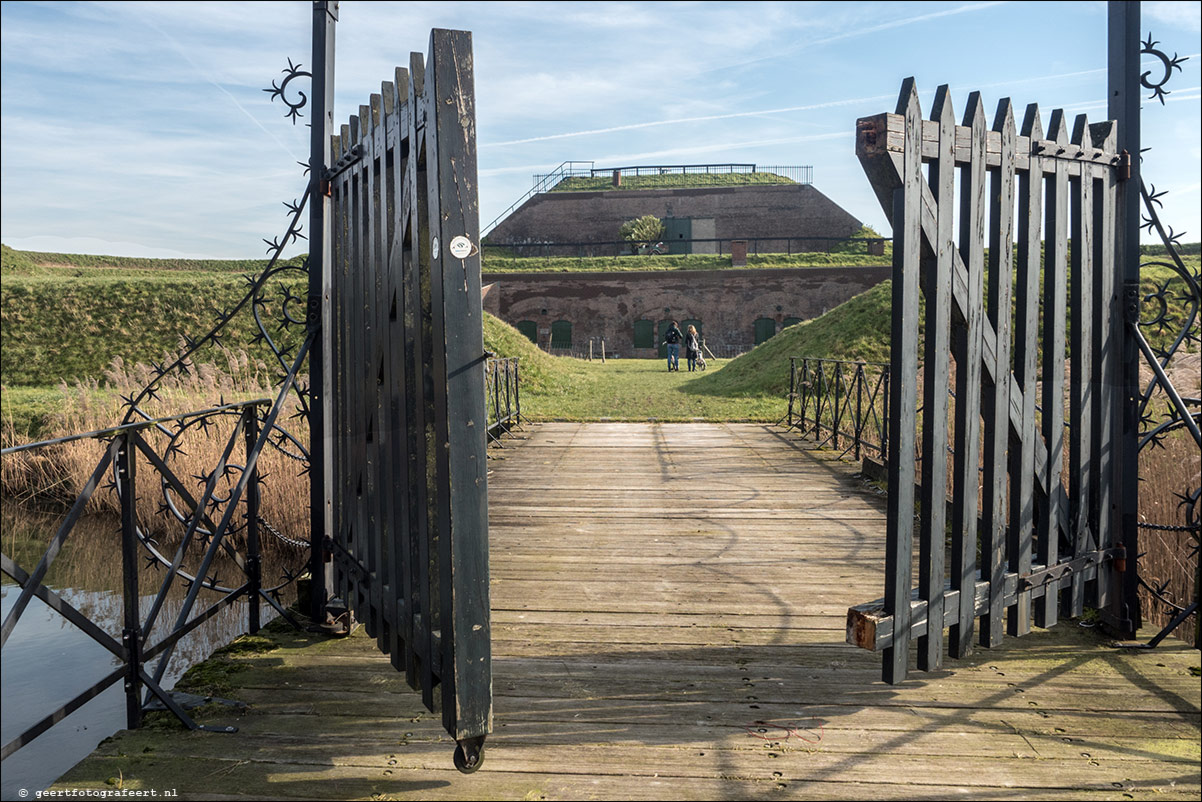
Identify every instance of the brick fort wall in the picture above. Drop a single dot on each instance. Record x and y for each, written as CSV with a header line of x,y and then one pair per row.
x,y
727,302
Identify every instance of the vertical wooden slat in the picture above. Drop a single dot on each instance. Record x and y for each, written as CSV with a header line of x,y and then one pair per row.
x,y
385,113
1054,322
382,587
936,374
356,323
419,287
997,391
1106,352
337,324
1026,345
370,267
459,388
967,346
907,221
1081,305
404,392
395,99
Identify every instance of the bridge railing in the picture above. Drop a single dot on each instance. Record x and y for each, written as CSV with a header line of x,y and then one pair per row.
x,y
502,395
840,404
220,525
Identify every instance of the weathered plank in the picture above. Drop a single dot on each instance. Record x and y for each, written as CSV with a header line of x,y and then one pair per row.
x,y
936,375
595,697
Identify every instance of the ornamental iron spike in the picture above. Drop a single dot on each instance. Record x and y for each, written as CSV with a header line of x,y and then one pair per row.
x,y
292,72
1148,48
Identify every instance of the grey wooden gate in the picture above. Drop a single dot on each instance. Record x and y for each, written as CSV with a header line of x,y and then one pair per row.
x,y
404,378
1014,512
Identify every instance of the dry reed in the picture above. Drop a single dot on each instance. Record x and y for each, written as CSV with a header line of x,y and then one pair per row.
x,y
192,449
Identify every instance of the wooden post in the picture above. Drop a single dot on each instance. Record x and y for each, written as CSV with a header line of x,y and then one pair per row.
x,y
1123,106
320,301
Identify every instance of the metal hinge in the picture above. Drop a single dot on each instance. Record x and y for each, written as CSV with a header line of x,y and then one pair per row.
x,y
1124,166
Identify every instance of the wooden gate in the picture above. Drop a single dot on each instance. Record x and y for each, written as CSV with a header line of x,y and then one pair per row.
x,y
1007,458
404,373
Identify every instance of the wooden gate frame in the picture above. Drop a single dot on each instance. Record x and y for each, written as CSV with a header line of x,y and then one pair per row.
x,y
405,398
1042,546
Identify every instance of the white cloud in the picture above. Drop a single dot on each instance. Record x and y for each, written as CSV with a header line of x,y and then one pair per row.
x,y
1175,15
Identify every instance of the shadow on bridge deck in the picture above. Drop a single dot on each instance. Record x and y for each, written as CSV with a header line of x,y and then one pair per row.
x,y
668,615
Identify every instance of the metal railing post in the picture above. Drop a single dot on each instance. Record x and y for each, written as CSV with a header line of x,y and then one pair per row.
x,y
838,410
517,390
495,370
508,389
792,390
806,395
131,633
859,425
254,564
885,416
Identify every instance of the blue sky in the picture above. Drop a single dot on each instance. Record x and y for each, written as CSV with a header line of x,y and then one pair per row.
x,y
140,129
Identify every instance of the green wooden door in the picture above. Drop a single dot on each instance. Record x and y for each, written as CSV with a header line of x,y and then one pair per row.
x,y
530,329
765,327
644,334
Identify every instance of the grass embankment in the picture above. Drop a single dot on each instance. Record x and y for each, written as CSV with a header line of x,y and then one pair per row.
x,y
65,317
580,183
501,260
562,388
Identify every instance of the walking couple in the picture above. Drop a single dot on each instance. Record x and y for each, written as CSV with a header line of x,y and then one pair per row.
x,y
692,346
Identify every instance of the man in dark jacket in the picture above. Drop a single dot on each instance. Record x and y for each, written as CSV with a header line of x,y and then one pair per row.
x,y
672,339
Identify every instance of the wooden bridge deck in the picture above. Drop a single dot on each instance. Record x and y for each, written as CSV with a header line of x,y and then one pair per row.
x,y
668,614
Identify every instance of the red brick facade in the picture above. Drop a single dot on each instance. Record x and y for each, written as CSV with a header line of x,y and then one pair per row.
x,y
727,302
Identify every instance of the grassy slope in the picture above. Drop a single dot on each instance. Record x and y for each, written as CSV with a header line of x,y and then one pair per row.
x,y
58,325
63,321
857,329
496,260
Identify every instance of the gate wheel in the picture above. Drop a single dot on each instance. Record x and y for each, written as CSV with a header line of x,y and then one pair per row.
x,y
469,754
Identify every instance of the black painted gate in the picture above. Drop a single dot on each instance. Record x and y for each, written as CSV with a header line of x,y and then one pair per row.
x,y
404,388
1004,412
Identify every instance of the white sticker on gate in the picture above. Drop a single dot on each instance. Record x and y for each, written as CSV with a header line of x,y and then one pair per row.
x,y
461,247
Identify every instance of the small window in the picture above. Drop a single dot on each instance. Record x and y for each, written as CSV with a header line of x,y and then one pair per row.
x,y
789,321
561,334
644,334
530,329
765,327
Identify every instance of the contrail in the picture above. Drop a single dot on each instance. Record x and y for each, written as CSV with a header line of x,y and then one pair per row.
x,y
884,26
675,121
810,107
183,54
864,31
